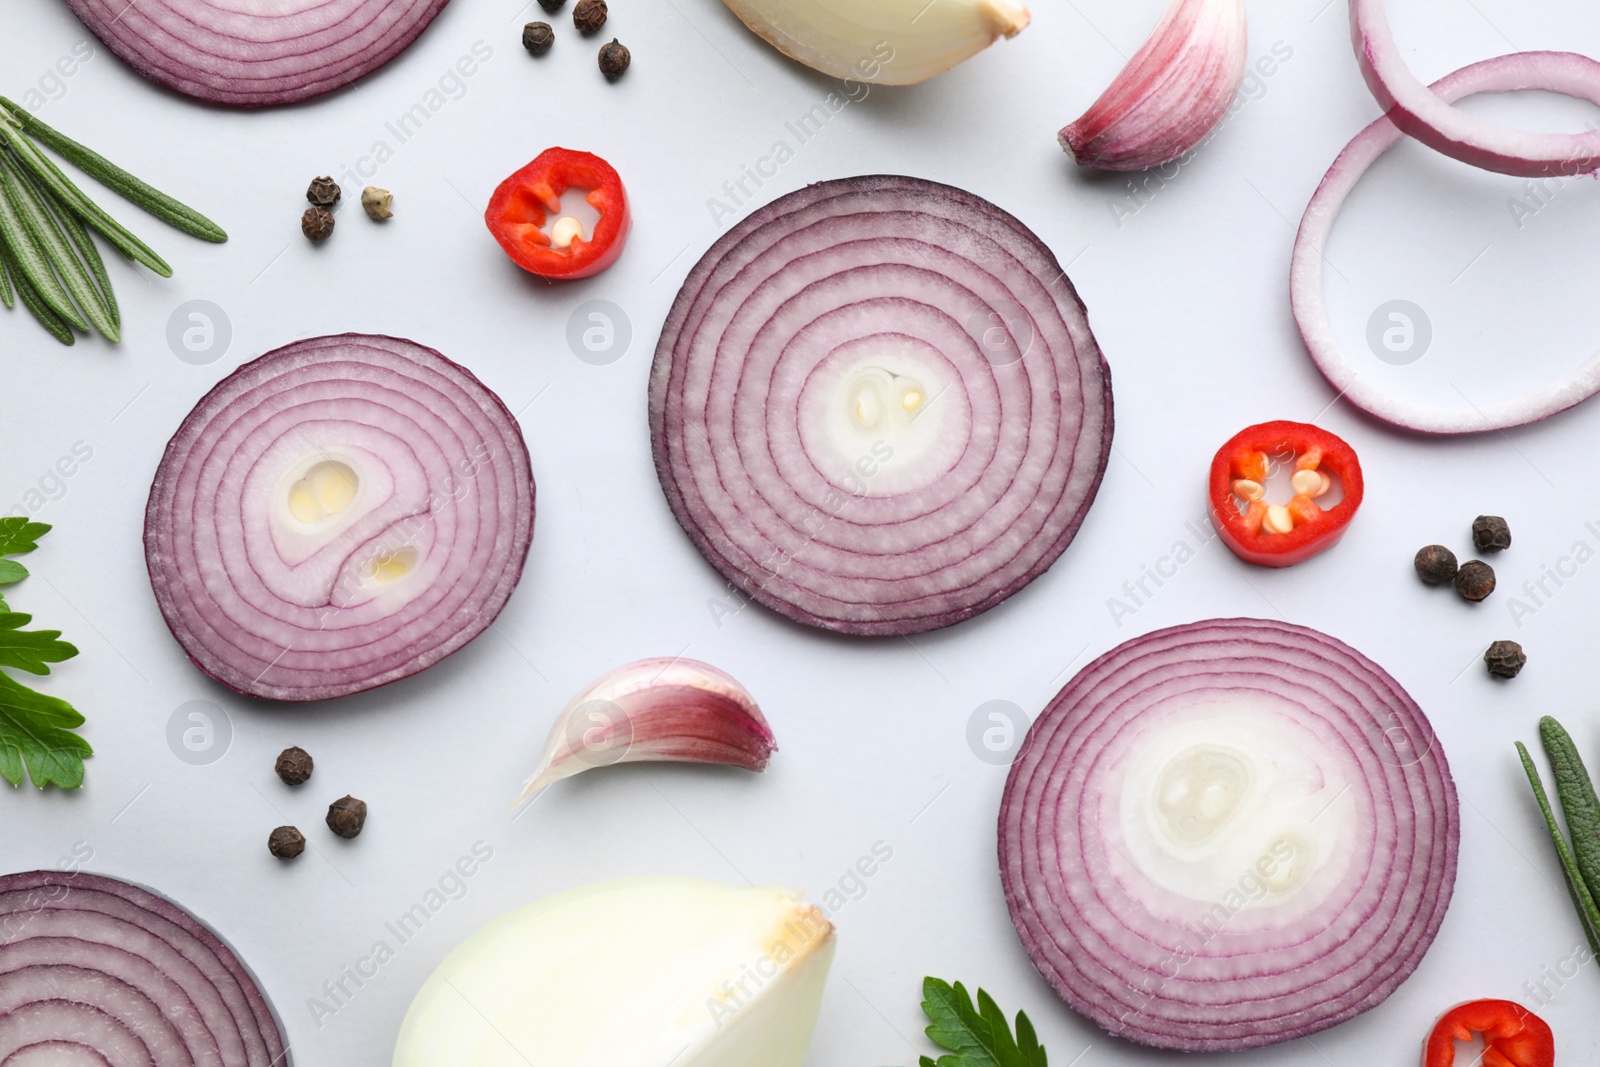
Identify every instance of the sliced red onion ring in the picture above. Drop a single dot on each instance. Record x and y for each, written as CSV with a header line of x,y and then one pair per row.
x,y
1425,114
877,406
1228,834
337,515
256,53
96,970
1563,72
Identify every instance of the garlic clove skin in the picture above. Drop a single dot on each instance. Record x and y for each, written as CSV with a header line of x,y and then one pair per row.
x,y
665,710
1171,94
886,42
635,973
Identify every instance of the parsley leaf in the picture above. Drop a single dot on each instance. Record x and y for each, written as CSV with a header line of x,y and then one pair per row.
x,y
35,730
30,650
977,1036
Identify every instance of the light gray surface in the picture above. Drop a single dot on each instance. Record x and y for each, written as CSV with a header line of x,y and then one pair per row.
x,y
1188,298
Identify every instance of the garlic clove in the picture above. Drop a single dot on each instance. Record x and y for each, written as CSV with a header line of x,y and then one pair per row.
x,y
1170,95
671,710
635,973
888,42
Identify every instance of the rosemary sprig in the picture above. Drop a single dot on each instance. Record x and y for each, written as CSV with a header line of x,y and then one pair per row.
x,y
47,253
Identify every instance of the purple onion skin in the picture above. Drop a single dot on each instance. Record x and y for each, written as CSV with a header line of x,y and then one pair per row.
x,y
1064,966
66,892
1094,375
139,35
157,534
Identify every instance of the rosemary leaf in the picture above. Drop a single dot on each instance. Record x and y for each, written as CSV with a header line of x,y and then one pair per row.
x,y
46,233
1582,900
123,239
33,301
5,287
115,178
29,254
84,243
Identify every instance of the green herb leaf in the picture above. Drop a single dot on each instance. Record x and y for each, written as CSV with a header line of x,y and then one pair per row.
x,y
30,650
18,234
36,731
123,239
19,536
115,178
6,296
976,1036
1582,899
1579,804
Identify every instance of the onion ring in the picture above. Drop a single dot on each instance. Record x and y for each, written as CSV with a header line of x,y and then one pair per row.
x,y
877,406
1564,72
1425,114
96,970
256,53
1228,834
336,515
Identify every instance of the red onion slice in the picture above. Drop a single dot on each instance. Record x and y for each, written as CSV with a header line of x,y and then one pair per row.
x,y
1228,834
337,515
1563,72
256,53
1424,113
877,407
96,970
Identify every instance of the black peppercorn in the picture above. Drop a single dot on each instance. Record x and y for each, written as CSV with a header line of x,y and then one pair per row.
x,y
294,765
1475,580
1505,659
346,816
552,6
614,60
589,15
316,224
537,37
1490,533
324,192
1436,564
286,843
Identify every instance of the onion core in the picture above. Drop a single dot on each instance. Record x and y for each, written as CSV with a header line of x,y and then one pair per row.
x,y
877,406
1228,834
336,515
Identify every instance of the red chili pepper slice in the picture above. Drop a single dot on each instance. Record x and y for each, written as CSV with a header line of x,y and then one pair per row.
x,y
1514,1036
525,201
1281,535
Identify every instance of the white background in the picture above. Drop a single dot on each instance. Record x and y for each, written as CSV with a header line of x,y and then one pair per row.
x,y
1188,298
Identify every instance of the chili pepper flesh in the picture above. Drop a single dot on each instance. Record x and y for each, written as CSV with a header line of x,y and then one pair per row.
x,y
519,215
1513,1036
1283,534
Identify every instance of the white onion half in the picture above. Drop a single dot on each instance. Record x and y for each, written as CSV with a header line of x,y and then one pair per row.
x,y
643,972
1228,834
338,514
877,406
256,52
